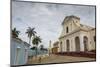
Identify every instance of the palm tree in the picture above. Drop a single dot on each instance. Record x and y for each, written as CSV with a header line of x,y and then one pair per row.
x,y
36,40
15,33
30,31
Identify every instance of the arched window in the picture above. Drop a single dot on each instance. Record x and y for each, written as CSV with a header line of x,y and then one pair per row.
x,y
85,43
67,30
67,45
77,43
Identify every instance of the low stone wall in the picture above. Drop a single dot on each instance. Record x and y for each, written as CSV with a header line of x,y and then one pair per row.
x,y
78,54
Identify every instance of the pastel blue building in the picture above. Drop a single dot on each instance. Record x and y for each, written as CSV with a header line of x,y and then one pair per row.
x,y
19,52
32,53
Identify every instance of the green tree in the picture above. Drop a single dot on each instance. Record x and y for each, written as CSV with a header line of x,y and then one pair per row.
x,y
30,32
41,47
36,40
15,33
33,48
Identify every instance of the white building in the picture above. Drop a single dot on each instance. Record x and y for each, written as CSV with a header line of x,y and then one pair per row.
x,y
75,36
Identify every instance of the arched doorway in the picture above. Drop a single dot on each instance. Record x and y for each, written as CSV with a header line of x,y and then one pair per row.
x,y
67,45
85,43
77,43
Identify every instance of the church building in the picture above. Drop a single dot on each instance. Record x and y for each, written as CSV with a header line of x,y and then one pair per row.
x,y
76,37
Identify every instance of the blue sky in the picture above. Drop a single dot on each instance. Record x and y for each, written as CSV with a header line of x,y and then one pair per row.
x,y
47,18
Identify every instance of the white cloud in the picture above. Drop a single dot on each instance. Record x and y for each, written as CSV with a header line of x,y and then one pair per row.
x,y
47,18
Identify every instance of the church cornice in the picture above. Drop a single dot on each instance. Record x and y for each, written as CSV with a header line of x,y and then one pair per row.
x,y
80,29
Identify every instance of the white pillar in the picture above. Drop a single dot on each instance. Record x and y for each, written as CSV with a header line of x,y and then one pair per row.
x,y
81,43
70,46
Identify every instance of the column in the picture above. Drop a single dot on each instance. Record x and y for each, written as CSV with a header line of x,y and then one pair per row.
x,y
81,43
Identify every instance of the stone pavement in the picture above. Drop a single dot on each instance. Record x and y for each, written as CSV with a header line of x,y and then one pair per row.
x,y
58,59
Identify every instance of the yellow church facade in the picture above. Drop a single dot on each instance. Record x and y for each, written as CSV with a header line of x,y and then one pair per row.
x,y
76,37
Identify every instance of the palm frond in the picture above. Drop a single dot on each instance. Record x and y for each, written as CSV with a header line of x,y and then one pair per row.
x,y
36,40
30,32
15,33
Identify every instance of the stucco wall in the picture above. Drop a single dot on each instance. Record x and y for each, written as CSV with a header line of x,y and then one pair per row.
x,y
71,39
80,34
92,36
22,57
73,25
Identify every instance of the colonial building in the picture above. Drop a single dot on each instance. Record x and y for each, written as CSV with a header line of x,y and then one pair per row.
x,y
75,36
55,47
